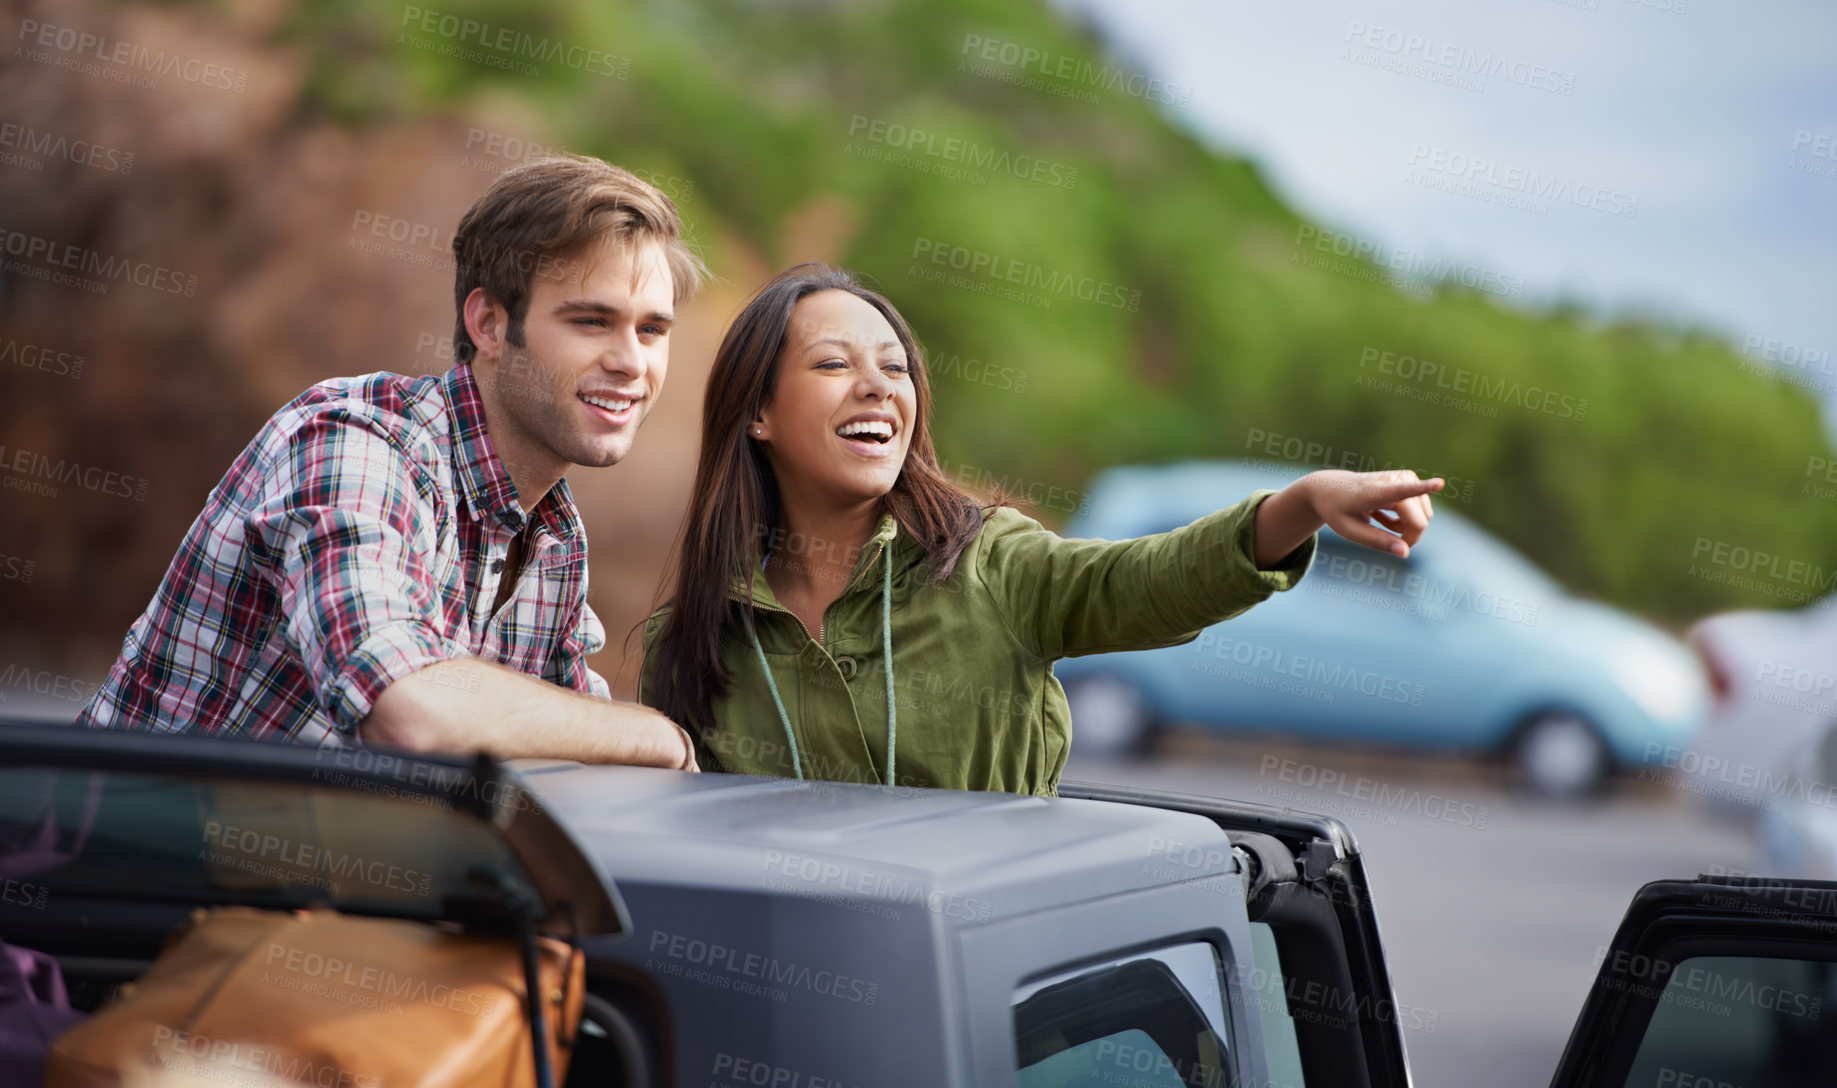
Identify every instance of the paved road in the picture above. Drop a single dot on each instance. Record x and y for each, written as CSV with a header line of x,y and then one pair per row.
x,y
1493,907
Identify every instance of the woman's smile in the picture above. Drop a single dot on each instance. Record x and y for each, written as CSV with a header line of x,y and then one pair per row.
x,y
870,434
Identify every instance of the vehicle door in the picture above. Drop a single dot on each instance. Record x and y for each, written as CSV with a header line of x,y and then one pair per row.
x,y
1713,983
1318,983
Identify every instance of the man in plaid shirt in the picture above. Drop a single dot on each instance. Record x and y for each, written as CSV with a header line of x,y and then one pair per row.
x,y
398,560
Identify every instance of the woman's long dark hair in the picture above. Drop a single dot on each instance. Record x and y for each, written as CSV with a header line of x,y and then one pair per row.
x,y
735,503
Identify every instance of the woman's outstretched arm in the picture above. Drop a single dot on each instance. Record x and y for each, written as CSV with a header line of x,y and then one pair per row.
x,y
1066,597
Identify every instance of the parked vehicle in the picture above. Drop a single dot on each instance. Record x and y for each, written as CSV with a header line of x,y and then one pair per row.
x,y
1796,811
1774,678
1465,645
748,931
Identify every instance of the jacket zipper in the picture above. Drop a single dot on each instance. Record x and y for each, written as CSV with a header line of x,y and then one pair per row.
x,y
878,548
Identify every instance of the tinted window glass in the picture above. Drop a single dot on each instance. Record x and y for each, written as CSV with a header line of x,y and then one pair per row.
x,y
1755,1022
1343,569
1267,988
1144,1021
1130,1058
69,834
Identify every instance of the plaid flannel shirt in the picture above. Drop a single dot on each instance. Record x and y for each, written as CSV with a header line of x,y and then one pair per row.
x,y
359,538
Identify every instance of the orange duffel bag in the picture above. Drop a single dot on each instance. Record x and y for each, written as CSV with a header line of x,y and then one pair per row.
x,y
316,997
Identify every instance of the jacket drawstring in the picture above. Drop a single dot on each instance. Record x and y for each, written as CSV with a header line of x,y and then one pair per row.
x,y
886,652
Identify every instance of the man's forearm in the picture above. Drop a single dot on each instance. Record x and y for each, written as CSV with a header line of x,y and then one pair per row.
x,y
468,705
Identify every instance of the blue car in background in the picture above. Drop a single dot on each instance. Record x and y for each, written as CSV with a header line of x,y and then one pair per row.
x,y
1465,646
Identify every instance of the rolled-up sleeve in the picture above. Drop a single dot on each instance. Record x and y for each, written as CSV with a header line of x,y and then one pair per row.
x,y
1068,597
344,528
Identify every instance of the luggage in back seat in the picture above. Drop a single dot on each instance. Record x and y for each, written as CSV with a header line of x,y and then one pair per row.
x,y
328,999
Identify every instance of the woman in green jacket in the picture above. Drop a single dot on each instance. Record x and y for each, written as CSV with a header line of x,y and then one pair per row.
x,y
842,611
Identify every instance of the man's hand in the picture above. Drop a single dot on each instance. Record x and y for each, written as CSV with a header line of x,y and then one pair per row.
x,y
1347,502
466,705
689,763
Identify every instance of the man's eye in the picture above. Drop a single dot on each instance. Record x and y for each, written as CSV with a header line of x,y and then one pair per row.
x,y
596,321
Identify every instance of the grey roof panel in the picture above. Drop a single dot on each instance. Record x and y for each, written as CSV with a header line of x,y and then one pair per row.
x,y
1013,854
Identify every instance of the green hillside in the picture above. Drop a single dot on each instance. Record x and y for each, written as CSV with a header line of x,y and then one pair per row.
x,y
1187,311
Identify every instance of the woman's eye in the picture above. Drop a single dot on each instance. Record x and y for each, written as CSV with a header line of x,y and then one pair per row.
x,y
832,364
897,368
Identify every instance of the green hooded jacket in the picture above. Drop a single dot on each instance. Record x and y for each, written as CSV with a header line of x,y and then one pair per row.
x,y
978,705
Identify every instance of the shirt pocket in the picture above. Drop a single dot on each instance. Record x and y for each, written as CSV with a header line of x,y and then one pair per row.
x,y
540,613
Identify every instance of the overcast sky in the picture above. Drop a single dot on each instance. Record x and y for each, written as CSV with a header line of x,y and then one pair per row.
x,y
1694,114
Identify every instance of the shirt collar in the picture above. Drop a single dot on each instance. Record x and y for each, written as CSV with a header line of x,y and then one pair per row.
x,y
483,483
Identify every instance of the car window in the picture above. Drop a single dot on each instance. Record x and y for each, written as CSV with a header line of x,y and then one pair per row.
x,y
1760,1022
1128,1057
115,834
1268,987
1149,1019
1341,559
1358,575
1487,562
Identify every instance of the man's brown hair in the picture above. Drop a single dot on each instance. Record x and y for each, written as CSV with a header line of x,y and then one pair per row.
x,y
538,216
